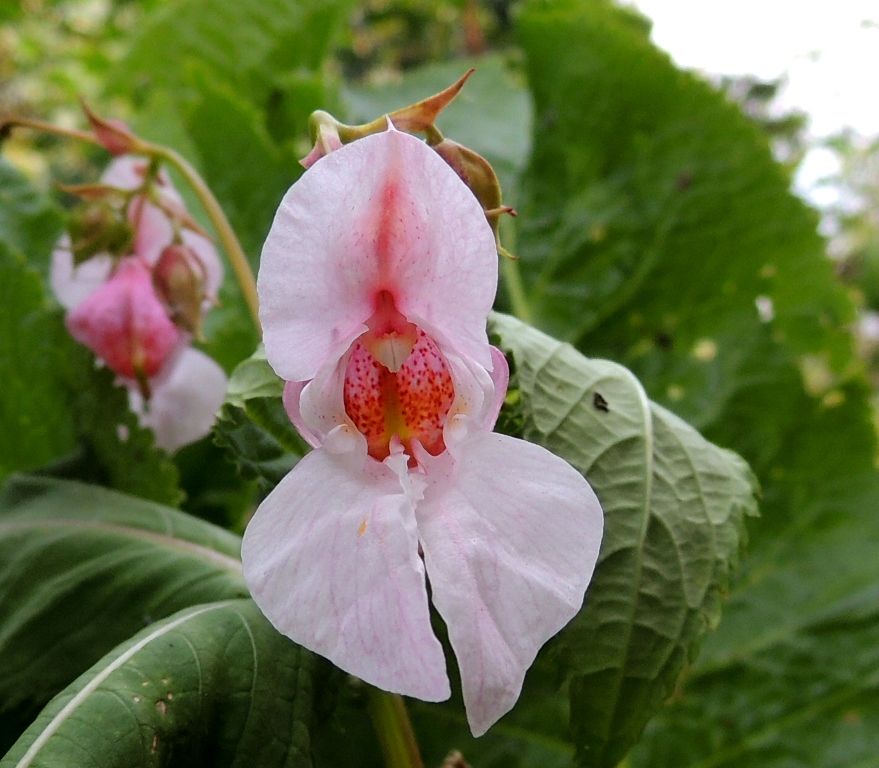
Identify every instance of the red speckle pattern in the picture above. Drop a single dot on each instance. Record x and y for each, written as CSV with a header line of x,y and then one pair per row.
x,y
412,403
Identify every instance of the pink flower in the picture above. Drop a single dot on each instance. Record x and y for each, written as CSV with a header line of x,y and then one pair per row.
x,y
124,323
113,309
376,281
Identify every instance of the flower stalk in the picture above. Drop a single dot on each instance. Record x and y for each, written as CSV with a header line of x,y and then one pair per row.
x,y
394,729
237,258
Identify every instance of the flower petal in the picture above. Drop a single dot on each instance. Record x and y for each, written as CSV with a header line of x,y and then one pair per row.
x,y
185,400
72,284
331,559
152,230
382,213
510,535
291,399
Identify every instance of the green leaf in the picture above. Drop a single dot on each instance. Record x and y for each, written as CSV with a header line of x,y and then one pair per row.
x,y
245,44
212,685
491,115
83,568
674,506
254,426
244,168
34,422
793,679
29,223
214,489
655,218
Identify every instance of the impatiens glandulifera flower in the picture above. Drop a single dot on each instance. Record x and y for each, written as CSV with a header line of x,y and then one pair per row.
x,y
140,333
125,324
375,285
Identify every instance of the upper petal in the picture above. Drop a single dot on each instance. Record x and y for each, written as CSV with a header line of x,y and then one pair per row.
x,y
185,399
382,213
510,535
331,558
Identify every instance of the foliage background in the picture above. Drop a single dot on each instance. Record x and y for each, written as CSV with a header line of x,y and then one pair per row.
x,y
654,225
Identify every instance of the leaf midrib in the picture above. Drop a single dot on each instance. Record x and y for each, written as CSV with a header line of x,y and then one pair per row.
x,y
101,676
199,551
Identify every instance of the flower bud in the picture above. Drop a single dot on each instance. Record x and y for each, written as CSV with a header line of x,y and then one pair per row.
x,y
179,282
112,135
476,172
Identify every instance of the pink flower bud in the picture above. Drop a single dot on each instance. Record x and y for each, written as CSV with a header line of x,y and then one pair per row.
x,y
179,281
113,135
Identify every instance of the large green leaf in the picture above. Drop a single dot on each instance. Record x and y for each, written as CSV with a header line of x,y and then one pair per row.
x,y
793,679
34,422
674,506
656,225
246,44
655,217
83,568
212,685
29,223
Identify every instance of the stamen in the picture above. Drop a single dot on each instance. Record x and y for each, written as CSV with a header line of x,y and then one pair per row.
x,y
411,403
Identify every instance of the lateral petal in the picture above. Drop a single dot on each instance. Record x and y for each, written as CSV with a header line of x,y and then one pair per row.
x,y
331,558
185,399
510,534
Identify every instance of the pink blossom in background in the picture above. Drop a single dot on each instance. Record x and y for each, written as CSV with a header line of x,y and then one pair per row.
x,y
375,285
124,323
113,309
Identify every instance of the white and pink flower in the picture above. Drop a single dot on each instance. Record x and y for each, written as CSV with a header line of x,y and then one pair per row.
x,y
375,285
114,310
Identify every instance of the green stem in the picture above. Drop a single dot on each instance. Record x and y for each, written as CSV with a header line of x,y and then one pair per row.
x,y
393,728
512,276
515,289
237,258
8,124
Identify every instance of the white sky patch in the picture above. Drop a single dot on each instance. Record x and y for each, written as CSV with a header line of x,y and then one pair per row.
x,y
827,53
829,50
